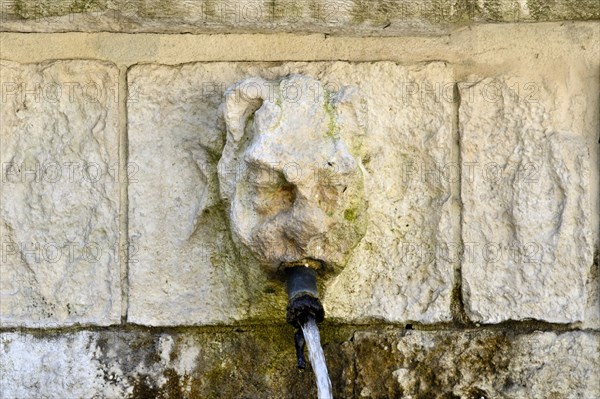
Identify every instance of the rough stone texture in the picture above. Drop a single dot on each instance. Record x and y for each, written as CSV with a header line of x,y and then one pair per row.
x,y
293,189
260,363
60,366
186,270
526,189
59,194
361,17
256,359
475,364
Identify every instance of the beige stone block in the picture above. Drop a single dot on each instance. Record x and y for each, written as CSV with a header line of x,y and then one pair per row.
x,y
527,194
60,194
186,269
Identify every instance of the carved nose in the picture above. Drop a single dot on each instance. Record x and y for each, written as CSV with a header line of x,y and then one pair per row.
x,y
307,219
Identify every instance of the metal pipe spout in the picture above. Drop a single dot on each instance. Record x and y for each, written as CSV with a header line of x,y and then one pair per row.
x,y
303,298
303,303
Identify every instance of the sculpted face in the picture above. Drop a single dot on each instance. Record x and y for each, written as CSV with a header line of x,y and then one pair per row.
x,y
293,189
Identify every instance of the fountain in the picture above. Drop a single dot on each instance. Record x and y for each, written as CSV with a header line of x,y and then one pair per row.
x,y
304,312
294,193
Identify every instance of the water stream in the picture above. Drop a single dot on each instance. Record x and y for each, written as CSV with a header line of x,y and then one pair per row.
x,y
317,358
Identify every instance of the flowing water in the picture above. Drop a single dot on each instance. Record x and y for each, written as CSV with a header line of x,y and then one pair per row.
x,y
317,358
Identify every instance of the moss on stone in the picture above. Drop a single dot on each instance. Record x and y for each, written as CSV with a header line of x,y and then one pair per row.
x,y
272,10
144,388
162,9
539,9
424,362
233,362
45,8
493,10
350,214
259,361
582,10
81,6
466,11
270,304
375,11
376,358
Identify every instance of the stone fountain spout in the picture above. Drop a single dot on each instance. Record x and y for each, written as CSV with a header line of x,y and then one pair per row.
x,y
294,191
303,301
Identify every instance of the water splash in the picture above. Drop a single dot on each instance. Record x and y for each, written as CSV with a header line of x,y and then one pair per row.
x,y
317,358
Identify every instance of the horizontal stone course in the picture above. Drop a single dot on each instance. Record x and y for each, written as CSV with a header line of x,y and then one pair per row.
x,y
354,17
260,363
185,271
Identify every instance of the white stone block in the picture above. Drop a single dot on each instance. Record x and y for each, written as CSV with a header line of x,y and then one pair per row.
x,y
526,191
60,194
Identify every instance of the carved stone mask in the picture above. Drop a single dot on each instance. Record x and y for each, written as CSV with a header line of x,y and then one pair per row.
x,y
293,189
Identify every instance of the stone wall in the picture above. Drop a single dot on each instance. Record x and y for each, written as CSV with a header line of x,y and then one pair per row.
x,y
477,277
351,17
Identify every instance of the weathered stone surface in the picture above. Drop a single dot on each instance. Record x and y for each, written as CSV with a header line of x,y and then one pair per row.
x,y
186,270
364,17
60,194
527,219
133,364
476,364
260,363
293,189
183,270
61,366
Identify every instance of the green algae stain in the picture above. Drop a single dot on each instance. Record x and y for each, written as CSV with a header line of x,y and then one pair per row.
x,y
493,10
163,9
44,8
156,9
376,11
466,10
582,10
273,10
350,214
539,9
484,356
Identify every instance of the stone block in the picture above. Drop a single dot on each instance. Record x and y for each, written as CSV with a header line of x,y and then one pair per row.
x,y
527,221
260,363
359,17
60,194
186,270
476,364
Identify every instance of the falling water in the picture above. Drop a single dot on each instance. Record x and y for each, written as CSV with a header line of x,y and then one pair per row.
x,y
317,358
